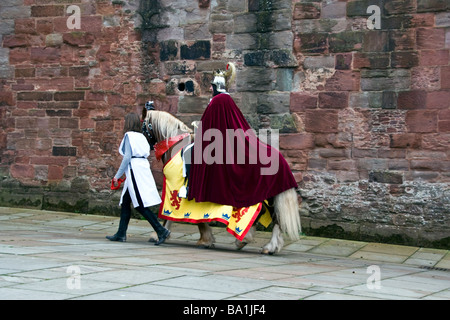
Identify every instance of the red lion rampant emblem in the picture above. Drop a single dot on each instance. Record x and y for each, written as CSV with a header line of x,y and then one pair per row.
x,y
238,213
175,200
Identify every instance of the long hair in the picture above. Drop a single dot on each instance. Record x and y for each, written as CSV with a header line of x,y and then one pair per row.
x,y
132,123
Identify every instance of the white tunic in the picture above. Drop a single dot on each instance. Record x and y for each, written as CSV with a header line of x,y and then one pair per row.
x,y
140,150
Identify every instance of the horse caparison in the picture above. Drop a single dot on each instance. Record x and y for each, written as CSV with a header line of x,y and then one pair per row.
x,y
285,213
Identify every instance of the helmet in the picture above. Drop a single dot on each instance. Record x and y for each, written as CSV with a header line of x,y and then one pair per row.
x,y
149,105
223,79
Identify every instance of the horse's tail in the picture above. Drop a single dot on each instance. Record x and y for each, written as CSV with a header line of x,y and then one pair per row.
x,y
287,214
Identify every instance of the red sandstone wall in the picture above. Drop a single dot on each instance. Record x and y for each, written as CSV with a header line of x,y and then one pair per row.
x,y
64,92
363,114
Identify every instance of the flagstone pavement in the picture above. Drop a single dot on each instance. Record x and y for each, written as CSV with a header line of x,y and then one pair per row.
x,y
59,256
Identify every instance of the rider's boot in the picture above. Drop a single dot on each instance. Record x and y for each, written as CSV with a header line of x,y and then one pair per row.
x,y
162,232
121,234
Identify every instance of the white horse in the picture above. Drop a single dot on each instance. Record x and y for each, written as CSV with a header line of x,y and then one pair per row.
x,y
160,126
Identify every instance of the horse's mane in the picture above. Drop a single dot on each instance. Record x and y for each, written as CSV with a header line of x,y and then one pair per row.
x,y
165,125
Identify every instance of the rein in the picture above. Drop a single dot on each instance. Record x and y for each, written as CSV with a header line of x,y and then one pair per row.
x,y
163,146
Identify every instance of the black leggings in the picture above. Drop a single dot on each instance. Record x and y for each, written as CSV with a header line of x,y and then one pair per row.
x,y
126,209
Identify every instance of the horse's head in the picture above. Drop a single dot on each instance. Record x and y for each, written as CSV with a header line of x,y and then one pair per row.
x,y
160,126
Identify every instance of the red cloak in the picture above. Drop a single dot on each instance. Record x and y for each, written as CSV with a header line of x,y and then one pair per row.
x,y
236,169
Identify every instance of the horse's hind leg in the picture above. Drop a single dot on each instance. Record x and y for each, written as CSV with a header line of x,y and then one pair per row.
x,y
247,239
206,236
276,241
154,237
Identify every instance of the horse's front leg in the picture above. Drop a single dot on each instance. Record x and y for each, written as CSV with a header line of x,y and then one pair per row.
x,y
154,237
206,236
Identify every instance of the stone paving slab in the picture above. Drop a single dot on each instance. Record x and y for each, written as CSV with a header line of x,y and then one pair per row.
x,y
58,256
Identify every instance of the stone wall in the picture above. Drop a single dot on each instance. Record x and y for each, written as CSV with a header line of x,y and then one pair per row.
x,y
362,110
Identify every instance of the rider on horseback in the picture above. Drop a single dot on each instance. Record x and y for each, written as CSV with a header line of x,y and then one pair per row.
x,y
237,184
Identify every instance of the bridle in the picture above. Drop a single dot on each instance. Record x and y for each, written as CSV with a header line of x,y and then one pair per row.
x,y
147,128
160,147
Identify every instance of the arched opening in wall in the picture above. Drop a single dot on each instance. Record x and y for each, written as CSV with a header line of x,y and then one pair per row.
x,y
187,86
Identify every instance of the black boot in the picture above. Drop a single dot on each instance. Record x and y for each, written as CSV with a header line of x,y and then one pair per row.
x,y
162,232
162,237
121,234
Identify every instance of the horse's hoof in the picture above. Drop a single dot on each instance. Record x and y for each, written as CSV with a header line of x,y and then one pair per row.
x,y
240,245
205,245
267,251
153,237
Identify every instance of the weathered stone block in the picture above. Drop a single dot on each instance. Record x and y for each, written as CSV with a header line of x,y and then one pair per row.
x,y
198,50
421,121
402,40
79,71
432,5
376,41
308,10
313,42
343,81
334,10
77,38
389,100
322,121
7,26
45,55
443,19
430,38
434,57
14,12
179,67
385,177
404,59
168,50
189,104
393,7
47,11
445,77
379,80
277,20
345,41
12,41
319,62
64,151
283,122
245,23
242,41
273,103
302,101
69,95
256,79
284,79
366,99
378,60
270,58
54,40
35,96
438,99
297,141
333,100
416,99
